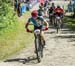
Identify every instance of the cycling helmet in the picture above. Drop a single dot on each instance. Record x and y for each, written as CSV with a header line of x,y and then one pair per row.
x,y
41,4
58,6
52,3
34,13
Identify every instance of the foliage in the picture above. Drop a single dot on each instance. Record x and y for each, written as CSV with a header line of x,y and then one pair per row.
x,y
12,31
74,10
7,18
70,22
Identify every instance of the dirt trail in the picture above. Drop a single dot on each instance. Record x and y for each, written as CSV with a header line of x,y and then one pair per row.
x,y
59,51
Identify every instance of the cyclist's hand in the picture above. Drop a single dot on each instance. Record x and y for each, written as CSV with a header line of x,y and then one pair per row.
x,y
28,30
46,28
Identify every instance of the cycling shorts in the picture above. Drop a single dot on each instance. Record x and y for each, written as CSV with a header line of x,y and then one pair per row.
x,y
60,15
36,27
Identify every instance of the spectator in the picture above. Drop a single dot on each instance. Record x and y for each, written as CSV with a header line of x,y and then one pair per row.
x,y
70,7
15,5
18,10
46,3
22,8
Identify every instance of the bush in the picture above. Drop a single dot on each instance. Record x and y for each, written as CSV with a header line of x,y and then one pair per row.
x,y
7,18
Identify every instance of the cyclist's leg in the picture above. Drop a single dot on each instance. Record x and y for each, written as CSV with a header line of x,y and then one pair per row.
x,y
43,38
62,20
54,18
49,19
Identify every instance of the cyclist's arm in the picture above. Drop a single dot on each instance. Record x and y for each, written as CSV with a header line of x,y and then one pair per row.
x,y
46,23
63,12
27,24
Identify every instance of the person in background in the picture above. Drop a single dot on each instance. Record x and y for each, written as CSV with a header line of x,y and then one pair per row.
x,y
46,3
40,11
70,6
42,5
53,5
51,15
59,12
18,9
15,5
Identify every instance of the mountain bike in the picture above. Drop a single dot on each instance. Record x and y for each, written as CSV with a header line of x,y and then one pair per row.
x,y
38,44
58,23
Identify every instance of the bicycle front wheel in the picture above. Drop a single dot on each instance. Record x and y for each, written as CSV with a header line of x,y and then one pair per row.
x,y
58,25
39,49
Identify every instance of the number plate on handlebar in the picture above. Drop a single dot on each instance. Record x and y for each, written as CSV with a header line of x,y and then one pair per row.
x,y
37,31
51,14
57,17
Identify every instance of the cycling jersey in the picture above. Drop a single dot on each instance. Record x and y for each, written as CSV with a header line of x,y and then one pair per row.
x,y
40,12
51,10
36,22
53,6
58,10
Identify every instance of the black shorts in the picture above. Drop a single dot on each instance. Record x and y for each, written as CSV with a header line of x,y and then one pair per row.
x,y
36,27
60,15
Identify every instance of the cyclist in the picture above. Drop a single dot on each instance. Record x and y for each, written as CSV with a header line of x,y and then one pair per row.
x,y
59,12
53,5
51,13
46,3
42,5
37,22
40,11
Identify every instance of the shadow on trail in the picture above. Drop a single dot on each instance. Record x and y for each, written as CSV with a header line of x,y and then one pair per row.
x,y
52,32
71,40
28,60
66,31
64,36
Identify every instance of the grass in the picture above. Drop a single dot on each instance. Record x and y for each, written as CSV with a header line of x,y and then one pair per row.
x,y
70,22
12,41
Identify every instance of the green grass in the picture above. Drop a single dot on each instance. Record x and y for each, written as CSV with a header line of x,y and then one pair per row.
x,y
14,40
70,22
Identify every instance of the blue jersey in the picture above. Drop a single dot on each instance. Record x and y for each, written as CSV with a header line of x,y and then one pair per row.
x,y
36,22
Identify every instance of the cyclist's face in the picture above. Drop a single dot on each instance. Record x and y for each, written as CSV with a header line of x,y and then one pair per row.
x,y
35,17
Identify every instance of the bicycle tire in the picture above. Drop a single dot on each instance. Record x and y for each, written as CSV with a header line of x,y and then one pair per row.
x,y
58,25
38,48
41,48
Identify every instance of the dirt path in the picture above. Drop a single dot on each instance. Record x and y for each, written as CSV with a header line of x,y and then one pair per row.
x,y
59,51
